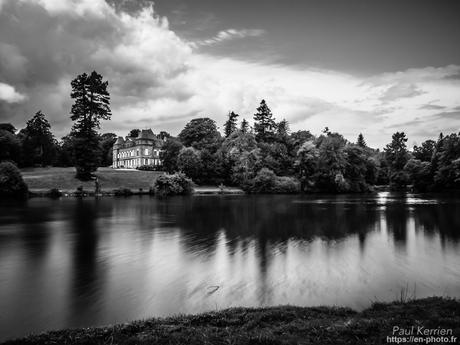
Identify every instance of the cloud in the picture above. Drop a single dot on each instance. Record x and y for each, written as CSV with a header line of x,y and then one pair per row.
x,y
400,91
9,94
229,34
156,78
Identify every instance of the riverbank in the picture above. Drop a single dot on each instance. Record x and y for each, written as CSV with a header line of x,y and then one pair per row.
x,y
276,325
112,182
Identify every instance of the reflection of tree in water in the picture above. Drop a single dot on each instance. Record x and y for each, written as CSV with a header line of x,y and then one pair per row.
x,y
274,218
87,277
442,218
36,234
396,216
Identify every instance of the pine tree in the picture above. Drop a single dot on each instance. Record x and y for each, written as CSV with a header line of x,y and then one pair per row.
x,y
92,104
264,123
396,153
39,145
244,126
361,142
230,124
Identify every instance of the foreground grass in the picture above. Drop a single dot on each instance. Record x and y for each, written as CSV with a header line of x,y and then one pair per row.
x,y
44,179
277,325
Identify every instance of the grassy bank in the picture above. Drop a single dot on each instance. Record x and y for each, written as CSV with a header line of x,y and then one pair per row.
x,y
41,180
44,179
277,325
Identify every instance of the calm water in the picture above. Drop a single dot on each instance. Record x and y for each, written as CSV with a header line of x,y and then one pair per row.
x,y
72,263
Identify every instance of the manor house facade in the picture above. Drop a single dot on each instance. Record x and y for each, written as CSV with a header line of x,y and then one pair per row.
x,y
134,152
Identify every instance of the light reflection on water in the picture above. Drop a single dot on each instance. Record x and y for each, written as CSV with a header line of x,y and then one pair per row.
x,y
71,263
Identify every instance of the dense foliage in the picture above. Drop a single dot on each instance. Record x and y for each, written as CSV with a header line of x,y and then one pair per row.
x,y
175,184
11,183
270,159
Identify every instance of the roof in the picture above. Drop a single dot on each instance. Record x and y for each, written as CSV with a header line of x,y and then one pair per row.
x,y
146,134
119,141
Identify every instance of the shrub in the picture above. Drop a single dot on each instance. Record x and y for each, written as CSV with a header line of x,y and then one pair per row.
x,y
266,181
175,184
11,183
123,192
54,193
286,185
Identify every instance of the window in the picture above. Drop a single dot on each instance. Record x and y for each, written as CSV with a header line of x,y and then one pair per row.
x,y
146,152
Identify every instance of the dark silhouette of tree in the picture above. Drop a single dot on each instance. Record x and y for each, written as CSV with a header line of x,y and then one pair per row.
x,y
396,156
10,147
396,153
92,104
264,123
230,124
361,142
38,144
244,126
133,133
164,135
65,153
425,151
106,146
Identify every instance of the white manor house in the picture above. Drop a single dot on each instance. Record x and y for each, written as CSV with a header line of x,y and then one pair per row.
x,y
134,152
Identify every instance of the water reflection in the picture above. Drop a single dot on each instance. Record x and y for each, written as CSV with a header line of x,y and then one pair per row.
x,y
70,263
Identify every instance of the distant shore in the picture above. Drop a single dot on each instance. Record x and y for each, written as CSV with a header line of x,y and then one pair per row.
x,y
276,325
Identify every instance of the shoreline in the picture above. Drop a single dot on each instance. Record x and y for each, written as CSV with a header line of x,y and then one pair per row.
x,y
272,325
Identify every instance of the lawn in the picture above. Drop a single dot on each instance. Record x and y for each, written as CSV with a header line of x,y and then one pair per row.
x,y
276,325
43,179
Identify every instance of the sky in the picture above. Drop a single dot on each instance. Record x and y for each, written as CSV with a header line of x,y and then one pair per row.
x,y
371,67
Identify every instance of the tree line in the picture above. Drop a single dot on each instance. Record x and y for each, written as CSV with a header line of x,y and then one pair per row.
x,y
266,157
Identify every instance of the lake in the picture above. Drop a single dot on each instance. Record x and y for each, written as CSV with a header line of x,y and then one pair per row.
x,y
79,263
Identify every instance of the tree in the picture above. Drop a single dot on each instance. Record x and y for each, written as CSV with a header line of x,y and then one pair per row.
x,y
244,126
447,162
38,143
106,146
425,151
264,123
65,151
189,162
331,163
230,124
164,135
201,133
419,173
396,153
92,104
306,163
169,154
361,142
10,147
134,133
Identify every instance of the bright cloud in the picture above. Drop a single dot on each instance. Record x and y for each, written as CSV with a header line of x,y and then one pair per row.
x,y
159,80
9,94
230,34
